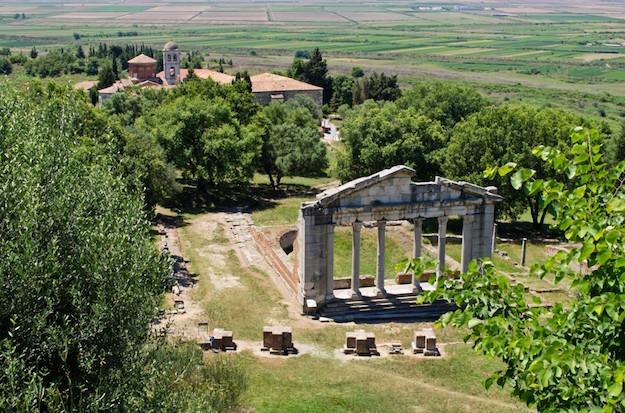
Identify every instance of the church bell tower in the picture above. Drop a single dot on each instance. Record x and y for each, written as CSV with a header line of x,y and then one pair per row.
x,y
171,63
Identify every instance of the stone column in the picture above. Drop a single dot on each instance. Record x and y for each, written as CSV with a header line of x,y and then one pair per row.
x,y
416,251
330,264
356,226
467,242
379,280
442,235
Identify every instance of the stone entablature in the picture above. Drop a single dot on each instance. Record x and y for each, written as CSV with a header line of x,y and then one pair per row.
x,y
381,197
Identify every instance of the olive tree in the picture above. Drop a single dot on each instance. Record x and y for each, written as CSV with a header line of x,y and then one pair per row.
x,y
81,277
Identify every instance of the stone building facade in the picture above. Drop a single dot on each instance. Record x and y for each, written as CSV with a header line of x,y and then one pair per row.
x,y
388,195
171,63
142,67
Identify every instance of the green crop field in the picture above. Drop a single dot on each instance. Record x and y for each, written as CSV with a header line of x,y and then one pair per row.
x,y
538,51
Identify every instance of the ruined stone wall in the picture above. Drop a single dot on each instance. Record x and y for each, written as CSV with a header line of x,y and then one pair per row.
x,y
278,259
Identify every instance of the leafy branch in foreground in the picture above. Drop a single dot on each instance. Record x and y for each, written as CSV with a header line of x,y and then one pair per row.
x,y
559,358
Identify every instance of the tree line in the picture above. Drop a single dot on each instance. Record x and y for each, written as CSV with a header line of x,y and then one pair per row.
x,y
342,90
81,277
444,128
216,134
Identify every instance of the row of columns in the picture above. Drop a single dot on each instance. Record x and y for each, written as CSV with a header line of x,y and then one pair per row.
x,y
467,230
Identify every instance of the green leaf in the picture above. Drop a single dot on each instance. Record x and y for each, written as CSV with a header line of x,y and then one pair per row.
x,y
615,389
570,171
473,322
577,134
603,257
535,187
581,158
587,249
489,381
612,236
520,176
507,168
544,379
616,205
490,172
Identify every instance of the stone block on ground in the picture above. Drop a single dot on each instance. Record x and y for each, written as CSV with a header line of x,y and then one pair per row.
x,y
223,340
361,343
278,340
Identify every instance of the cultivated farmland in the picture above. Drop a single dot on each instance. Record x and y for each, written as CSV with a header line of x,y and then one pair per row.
x,y
561,54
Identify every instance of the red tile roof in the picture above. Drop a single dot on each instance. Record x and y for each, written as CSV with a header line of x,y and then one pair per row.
x,y
269,82
142,59
203,74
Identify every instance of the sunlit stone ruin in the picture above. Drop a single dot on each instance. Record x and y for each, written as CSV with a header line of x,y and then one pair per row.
x,y
278,340
386,196
360,343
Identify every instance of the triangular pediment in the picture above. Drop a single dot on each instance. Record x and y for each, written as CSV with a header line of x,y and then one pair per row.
x,y
385,178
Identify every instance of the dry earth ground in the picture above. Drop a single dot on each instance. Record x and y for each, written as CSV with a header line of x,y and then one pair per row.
x,y
237,290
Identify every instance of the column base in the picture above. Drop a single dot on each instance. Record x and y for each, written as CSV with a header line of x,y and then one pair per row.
x,y
329,297
380,292
416,289
356,295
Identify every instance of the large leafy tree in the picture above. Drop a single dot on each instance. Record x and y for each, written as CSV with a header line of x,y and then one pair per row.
x,y
5,66
446,102
203,128
313,71
508,134
291,141
564,358
80,275
106,77
341,91
375,86
380,135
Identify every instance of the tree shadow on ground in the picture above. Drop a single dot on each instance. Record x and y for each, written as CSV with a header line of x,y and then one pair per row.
x,y
241,196
521,229
505,229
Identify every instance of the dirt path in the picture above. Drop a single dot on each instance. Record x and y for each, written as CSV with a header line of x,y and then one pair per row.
x,y
178,320
238,229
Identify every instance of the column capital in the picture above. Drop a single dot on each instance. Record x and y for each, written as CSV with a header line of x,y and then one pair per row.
x,y
443,219
357,225
468,219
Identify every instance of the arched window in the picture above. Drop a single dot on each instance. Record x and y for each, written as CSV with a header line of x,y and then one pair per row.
x,y
172,71
174,58
169,58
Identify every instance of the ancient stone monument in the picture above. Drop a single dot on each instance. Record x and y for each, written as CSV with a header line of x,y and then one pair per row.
x,y
278,340
361,343
388,195
424,342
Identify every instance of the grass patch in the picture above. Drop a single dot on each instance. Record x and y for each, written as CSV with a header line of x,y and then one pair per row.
x,y
455,252
394,252
247,301
294,181
282,212
534,253
317,384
